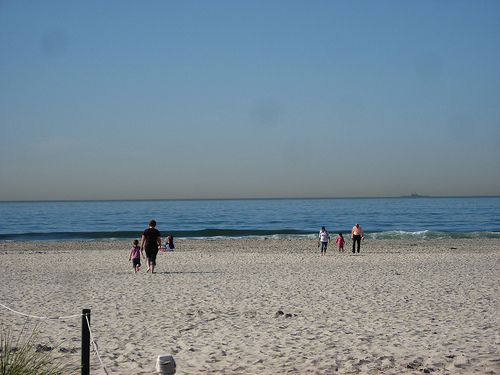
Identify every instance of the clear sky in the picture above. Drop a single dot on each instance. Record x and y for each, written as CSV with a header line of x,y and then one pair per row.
x,y
248,99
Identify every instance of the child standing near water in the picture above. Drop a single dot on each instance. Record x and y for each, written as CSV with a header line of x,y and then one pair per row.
x,y
135,256
340,241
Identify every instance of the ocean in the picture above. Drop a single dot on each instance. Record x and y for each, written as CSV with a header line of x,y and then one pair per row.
x,y
405,217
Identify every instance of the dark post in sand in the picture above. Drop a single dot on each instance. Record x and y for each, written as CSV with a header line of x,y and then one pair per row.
x,y
86,342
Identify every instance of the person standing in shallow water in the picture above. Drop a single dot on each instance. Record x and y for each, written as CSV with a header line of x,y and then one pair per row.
x,y
151,242
356,235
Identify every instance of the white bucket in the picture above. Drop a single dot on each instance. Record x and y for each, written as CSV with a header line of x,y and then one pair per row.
x,y
165,364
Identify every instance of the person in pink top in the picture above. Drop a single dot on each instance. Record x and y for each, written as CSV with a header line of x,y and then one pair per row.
x,y
356,235
135,256
340,241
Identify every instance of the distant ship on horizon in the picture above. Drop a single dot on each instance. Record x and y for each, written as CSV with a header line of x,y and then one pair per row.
x,y
414,195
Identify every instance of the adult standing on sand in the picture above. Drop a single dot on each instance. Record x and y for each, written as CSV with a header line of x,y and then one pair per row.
x,y
324,239
356,235
151,242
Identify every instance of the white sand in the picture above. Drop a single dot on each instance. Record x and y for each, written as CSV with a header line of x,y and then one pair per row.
x,y
401,306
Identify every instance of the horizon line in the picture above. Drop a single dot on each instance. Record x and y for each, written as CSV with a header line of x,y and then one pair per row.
x,y
265,198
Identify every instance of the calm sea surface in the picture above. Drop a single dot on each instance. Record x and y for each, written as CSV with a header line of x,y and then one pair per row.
x,y
424,217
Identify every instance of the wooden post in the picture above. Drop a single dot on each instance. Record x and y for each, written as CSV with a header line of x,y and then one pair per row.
x,y
86,342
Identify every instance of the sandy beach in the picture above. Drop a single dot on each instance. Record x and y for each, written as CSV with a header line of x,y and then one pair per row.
x,y
266,306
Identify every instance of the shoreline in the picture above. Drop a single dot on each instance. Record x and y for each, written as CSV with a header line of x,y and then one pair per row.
x,y
272,235
368,246
400,306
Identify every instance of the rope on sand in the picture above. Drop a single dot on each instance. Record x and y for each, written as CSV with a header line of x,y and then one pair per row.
x,y
94,344
41,317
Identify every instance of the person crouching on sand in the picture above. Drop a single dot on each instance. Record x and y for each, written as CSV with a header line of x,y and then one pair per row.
x,y
135,256
169,244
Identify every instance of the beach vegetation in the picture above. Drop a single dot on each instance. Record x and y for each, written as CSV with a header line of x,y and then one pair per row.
x,y
22,355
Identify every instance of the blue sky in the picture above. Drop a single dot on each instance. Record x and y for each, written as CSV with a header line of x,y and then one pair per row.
x,y
248,99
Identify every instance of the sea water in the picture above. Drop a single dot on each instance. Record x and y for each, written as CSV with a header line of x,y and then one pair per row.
x,y
418,217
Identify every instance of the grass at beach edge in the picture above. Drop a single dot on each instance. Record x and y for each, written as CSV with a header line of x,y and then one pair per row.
x,y
23,356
